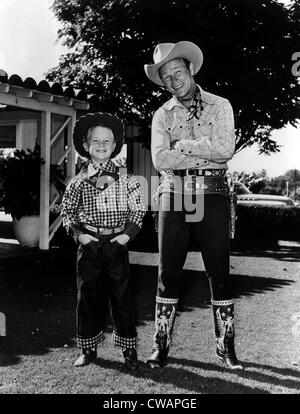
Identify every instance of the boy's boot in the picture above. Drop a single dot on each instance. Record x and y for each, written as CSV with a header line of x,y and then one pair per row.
x,y
88,355
223,311
130,356
164,323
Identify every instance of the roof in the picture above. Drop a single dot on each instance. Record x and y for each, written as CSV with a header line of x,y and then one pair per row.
x,y
46,92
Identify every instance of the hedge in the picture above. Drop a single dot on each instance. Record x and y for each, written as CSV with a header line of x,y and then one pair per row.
x,y
279,223
253,222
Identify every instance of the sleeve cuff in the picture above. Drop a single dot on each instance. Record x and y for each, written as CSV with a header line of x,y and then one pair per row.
x,y
75,231
131,229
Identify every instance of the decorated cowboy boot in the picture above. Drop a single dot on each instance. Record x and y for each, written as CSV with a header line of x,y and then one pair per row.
x,y
165,313
223,311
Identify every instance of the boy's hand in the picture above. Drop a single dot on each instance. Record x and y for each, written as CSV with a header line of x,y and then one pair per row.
x,y
121,239
86,238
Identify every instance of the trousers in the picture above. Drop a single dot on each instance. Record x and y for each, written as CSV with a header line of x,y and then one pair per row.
x,y
210,230
102,278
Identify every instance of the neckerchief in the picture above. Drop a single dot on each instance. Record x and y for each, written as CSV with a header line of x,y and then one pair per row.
x,y
102,176
196,107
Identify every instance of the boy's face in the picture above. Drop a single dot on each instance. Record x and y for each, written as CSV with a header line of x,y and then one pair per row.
x,y
100,144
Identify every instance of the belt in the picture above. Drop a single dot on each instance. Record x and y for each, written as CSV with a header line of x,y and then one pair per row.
x,y
102,231
197,172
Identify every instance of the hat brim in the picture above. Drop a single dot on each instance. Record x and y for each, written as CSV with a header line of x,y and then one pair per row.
x,y
85,122
184,49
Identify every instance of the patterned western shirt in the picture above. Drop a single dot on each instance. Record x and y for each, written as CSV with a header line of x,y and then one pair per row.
x,y
206,141
103,197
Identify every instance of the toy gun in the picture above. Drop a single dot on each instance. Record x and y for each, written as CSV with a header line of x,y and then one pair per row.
x,y
232,206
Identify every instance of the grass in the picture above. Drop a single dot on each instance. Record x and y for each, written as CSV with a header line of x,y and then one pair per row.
x,y
38,297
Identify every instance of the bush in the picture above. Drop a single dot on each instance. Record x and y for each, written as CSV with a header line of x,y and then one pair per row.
x,y
279,223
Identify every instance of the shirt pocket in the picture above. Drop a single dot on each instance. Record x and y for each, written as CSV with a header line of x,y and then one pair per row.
x,y
204,127
177,131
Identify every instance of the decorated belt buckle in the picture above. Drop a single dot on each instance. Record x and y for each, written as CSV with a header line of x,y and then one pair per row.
x,y
194,183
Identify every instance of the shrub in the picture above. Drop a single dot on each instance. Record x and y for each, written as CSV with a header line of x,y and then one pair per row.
x,y
268,222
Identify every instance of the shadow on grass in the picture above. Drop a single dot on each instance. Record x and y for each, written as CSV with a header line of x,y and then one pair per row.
x,y
262,377
194,289
266,248
38,299
182,378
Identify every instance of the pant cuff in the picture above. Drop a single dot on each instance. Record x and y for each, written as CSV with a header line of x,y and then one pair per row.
x,y
166,300
90,342
123,342
222,302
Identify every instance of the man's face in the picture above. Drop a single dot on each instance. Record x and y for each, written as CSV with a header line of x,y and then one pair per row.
x,y
177,78
100,144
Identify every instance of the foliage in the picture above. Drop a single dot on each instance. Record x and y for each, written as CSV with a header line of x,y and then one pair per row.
x,y
20,182
258,182
254,181
258,221
247,45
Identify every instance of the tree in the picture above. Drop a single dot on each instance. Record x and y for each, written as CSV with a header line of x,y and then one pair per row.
x,y
247,46
259,182
256,182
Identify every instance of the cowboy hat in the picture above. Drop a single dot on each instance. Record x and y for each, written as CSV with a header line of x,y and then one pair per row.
x,y
164,52
85,122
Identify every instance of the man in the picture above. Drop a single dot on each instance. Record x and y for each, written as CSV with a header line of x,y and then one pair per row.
x,y
192,139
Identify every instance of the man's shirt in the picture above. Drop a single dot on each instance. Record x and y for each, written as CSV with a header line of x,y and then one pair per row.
x,y
205,142
102,197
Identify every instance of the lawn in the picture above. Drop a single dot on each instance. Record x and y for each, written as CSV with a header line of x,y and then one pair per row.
x,y
38,297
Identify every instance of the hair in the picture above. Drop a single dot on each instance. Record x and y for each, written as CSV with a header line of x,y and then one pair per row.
x,y
91,129
184,60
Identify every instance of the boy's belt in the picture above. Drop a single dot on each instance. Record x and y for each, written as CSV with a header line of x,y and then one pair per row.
x,y
102,231
197,172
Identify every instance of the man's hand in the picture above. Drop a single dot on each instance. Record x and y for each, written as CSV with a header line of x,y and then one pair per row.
x,y
121,239
191,146
86,238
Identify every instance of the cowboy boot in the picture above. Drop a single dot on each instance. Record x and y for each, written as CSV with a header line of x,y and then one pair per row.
x,y
130,358
223,311
88,355
165,313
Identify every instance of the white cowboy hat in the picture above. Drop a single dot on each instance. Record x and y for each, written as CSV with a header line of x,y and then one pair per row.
x,y
164,52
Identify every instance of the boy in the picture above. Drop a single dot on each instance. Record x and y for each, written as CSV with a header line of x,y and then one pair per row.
x,y
103,210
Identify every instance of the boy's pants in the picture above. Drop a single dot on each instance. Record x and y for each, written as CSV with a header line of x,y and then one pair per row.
x,y
103,273
211,234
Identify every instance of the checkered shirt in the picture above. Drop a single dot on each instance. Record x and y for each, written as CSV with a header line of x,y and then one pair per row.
x,y
103,197
206,141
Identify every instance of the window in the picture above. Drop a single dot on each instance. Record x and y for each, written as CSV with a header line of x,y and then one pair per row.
x,y
8,135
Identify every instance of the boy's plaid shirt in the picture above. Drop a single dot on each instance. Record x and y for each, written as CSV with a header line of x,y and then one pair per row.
x,y
103,198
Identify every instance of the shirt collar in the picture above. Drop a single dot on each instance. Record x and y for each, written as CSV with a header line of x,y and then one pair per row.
x,y
108,166
205,97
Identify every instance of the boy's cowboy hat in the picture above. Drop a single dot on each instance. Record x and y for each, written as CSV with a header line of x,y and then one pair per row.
x,y
85,122
164,52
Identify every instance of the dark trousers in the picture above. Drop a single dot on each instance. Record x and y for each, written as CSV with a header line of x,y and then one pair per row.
x,y
211,233
103,273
